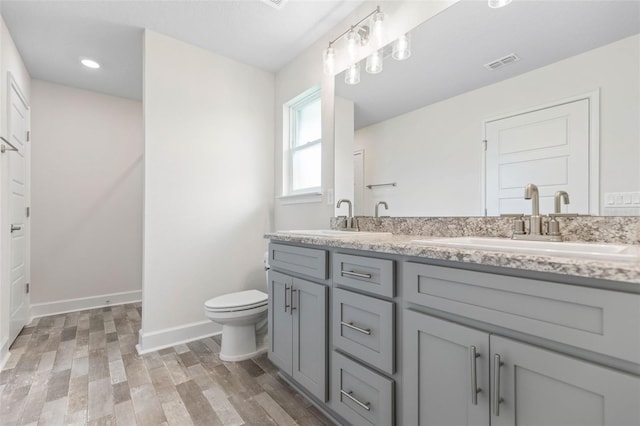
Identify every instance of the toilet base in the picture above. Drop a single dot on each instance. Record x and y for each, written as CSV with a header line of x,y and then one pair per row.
x,y
239,343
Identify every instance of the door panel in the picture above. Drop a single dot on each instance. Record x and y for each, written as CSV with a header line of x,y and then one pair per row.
x,y
280,321
541,387
17,203
310,337
547,147
438,392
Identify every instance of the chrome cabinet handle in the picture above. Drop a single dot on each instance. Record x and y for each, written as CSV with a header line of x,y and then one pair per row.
x,y
286,288
349,395
473,355
356,328
15,227
355,274
496,384
293,290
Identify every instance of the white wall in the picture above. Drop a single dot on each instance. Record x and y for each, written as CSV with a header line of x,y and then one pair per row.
x,y
10,62
86,198
208,185
435,155
306,71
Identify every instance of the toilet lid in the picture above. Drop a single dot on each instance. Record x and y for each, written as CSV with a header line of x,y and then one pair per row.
x,y
242,299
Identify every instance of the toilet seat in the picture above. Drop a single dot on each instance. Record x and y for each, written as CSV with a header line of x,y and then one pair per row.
x,y
239,301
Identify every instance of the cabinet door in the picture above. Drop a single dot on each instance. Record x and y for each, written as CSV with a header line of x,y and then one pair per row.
x,y
310,336
444,384
541,387
280,321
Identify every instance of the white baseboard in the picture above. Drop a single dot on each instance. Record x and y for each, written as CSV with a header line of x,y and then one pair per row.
x,y
156,340
72,305
4,352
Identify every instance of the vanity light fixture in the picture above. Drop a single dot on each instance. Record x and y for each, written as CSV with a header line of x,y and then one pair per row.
x,y
90,63
495,4
358,35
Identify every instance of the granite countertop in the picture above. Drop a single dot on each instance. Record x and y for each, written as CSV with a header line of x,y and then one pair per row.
x,y
628,272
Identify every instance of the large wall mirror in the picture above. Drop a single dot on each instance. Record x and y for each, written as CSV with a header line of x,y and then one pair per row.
x,y
562,112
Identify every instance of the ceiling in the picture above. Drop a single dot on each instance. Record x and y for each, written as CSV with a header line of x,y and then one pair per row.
x,y
52,35
449,50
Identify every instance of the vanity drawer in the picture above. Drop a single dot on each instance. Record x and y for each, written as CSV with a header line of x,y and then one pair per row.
x,y
306,261
363,326
366,274
584,317
360,395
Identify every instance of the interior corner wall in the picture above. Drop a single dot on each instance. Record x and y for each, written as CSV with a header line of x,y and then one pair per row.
x,y
86,217
208,185
10,63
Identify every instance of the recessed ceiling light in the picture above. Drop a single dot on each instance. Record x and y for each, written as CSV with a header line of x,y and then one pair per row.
x,y
90,63
495,4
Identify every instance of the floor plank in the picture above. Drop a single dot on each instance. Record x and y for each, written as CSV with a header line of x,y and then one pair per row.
x,y
82,368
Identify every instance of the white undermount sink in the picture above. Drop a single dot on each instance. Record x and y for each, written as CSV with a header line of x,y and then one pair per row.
x,y
333,233
615,252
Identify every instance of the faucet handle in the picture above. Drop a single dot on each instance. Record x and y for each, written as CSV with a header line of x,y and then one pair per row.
x,y
518,222
555,215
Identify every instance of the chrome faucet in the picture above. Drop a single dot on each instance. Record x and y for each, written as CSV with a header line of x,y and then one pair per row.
x,y
551,229
556,203
350,222
535,223
378,204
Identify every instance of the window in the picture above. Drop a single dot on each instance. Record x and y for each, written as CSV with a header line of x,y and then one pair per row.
x,y
303,149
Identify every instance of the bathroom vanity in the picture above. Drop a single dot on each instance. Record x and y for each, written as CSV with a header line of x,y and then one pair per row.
x,y
386,331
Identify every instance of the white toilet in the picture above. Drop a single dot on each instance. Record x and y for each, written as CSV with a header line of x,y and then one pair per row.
x,y
241,315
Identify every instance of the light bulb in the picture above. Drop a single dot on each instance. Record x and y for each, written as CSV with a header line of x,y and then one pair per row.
x,y
376,28
374,62
329,61
495,4
402,47
352,74
353,41
90,63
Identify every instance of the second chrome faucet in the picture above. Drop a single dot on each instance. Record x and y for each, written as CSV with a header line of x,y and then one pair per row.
x,y
539,228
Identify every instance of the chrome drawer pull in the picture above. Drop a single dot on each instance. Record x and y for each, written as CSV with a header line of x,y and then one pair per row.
x,y
496,384
356,328
286,305
474,377
364,405
355,274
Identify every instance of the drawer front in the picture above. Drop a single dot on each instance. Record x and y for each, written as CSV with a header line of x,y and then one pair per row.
x,y
598,320
360,395
363,326
306,261
367,274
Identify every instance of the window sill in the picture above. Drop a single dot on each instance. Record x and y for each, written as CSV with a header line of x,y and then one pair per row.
x,y
306,198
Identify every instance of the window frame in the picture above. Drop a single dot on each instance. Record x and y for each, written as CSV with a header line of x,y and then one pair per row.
x,y
292,109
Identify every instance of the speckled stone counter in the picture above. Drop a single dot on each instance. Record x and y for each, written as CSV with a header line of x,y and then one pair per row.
x,y
627,272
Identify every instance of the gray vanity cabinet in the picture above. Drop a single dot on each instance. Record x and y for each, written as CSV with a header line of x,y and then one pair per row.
x,y
458,381
298,320
542,387
447,361
462,375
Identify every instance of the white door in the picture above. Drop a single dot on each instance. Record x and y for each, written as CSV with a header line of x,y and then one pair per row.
x,y
16,221
548,147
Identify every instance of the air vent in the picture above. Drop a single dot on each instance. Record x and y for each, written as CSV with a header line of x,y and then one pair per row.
x,y
276,4
505,60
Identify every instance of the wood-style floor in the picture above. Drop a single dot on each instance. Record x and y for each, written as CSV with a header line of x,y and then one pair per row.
x,y
83,368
